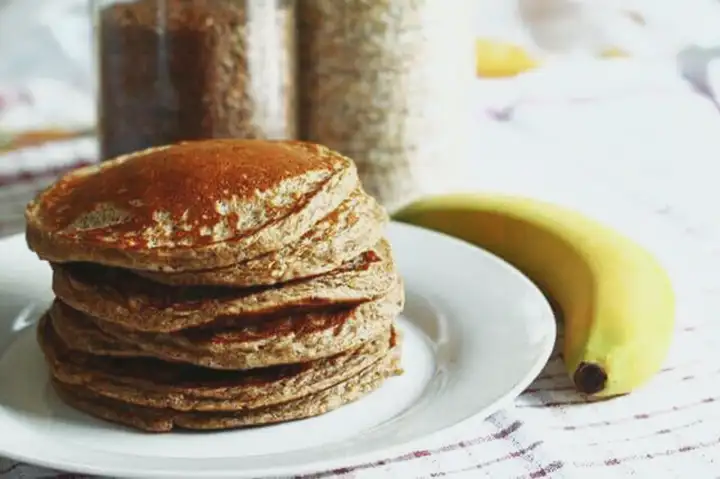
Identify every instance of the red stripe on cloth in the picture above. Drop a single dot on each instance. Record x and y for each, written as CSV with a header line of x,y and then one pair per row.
x,y
691,377
507,457
550,388
502,434
534,464
27,176
659,412
554,404
544,471
652,455
659,432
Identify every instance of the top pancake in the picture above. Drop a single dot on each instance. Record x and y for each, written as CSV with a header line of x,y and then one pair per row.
x,y
191,206
355,226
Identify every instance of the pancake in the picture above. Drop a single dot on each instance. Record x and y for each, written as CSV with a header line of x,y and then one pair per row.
x,y
160,384
165,419
255,342
122,297
80,333
355,226
190,206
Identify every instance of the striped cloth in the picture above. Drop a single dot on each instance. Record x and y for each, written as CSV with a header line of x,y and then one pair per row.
x,y
671,428
23,172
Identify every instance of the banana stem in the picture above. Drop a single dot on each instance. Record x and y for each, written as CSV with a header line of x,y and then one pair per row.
x,y
590,378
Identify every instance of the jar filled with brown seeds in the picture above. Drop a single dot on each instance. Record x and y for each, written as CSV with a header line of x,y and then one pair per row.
x,y
388,83
173,70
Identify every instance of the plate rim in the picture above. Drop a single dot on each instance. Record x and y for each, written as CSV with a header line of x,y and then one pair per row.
x,y
352,460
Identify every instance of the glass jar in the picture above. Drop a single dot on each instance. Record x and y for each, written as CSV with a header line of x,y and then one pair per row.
x,y
173,70
388,83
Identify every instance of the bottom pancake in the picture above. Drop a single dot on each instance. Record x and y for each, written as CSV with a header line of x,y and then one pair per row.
x,y
159,384
164,420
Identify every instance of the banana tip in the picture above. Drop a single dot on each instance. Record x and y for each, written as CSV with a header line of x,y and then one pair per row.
x,y
589,378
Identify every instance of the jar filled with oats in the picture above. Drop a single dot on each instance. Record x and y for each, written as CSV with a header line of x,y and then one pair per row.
x,y
173,70
388,83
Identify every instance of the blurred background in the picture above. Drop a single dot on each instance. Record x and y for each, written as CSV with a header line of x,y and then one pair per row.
x,y
592,83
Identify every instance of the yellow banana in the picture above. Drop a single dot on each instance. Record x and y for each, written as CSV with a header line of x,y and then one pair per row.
x,y
616,300
495,59
614,52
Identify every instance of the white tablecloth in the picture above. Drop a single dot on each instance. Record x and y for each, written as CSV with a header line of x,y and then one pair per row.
x,y
645,162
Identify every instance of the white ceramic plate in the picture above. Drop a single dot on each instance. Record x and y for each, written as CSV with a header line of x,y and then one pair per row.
x,y
477,332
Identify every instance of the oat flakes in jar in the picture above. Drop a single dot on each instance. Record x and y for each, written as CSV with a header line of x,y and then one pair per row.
x,y
173,70
388,83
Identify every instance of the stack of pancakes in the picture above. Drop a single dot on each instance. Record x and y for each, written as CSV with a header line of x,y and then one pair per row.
x,y
216,284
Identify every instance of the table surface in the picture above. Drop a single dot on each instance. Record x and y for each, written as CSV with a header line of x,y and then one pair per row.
x,y
646,165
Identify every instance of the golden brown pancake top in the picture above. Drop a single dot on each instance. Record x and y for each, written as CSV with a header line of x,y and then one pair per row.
x,y
178,195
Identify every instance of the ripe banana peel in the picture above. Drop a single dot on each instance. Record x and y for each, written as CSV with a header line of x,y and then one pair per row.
x,y
616,300
495,59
